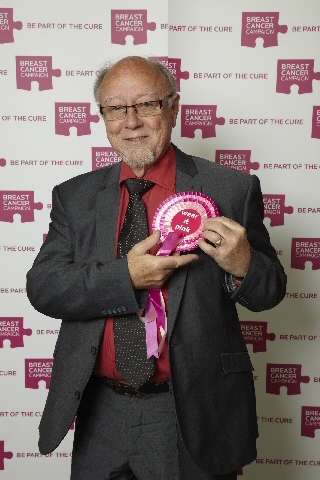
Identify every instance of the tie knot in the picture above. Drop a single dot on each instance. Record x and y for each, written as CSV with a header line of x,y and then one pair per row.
x,y
136,186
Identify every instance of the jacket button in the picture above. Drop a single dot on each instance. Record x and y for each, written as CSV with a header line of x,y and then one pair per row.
x,y
77,394
94,351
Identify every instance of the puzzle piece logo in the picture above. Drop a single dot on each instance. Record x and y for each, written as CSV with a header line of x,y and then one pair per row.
x,y
7,25
11,328
274,208
310,421
315,123
305,250
104,157
240,471
19,201
29,69
284,375
237,159
174,66
3,162
261,25
203,117
296,72
74,115
130,22
256,334
44,237
4,455
73,424
38,369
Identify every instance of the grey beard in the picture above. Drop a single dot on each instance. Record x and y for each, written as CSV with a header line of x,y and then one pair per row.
x,y
146,158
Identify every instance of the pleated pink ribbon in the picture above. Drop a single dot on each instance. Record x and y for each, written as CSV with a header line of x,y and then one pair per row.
x,y
155,317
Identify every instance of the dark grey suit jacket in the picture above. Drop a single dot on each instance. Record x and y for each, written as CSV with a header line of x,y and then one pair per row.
x,y
77,278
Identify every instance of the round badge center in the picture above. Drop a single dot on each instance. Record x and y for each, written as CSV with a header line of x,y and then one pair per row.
x,y
187,222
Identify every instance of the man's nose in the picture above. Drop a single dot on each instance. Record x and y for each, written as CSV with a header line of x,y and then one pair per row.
x,y
133,120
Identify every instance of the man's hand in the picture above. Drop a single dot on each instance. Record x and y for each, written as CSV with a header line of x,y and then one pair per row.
x,y
149,271
233,254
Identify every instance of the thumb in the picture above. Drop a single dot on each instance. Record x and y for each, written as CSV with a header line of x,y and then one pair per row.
x,y
143,247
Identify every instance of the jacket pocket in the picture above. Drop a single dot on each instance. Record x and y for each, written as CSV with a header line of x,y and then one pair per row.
x,y
236,362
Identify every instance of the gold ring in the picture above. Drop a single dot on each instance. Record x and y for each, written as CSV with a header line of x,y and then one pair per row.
x,y
217,244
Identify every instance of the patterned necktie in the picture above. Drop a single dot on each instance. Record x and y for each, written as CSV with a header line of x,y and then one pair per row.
x,y
129,331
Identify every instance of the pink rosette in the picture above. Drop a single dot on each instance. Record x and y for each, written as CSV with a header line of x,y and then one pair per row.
x,y
183,215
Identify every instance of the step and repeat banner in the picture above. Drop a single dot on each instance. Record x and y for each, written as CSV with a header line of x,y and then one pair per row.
x,y
249,78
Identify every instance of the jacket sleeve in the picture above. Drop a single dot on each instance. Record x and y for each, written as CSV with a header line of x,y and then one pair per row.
x,y
61,287
265,283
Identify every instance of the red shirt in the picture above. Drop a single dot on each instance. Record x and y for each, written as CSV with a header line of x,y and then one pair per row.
x,y
163,174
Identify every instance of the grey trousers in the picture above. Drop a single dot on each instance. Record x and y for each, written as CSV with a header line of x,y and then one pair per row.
x,y
125,438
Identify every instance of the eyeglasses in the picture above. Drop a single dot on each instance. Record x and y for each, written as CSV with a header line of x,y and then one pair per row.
x,y
144,109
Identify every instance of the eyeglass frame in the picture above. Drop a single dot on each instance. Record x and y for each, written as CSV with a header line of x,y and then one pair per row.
x,y
161,102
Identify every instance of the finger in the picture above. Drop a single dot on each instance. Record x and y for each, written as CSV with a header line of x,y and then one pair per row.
x,y
207,248
174,262
144,246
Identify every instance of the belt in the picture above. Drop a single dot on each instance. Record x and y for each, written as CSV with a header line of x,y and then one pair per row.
x,y
124,388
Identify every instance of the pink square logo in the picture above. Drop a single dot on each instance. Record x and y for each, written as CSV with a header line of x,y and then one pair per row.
x,y
274,208
18,201
237,159
130,22
72,114
37,369
298,72
11,328
256,334
104,157
285,375
174,66
30,69
305,250
200,117
310,421
263,25
7,25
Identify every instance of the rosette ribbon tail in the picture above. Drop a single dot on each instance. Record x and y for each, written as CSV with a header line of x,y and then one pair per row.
x,y
155,312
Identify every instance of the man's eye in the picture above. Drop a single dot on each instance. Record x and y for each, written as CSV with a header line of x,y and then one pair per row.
x,y
116,108
146,104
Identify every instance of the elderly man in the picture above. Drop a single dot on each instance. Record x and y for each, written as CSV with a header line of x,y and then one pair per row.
x,y
189,414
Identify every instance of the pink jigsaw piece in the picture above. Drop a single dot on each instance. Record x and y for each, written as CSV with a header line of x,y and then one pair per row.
x,y
255,333
274,208
73,114
104,157
18,201
240,471
199,117
38,369
310,421
7,25
4,455
174,66
296,72
130,22
11,328
30,69
73,424
284,375
261,25
237,159
316,122
305,250
3,162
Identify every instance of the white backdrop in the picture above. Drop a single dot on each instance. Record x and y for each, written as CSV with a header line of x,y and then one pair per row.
x,y
250,95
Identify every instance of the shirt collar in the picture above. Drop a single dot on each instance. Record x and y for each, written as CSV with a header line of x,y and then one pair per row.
x,y
163,173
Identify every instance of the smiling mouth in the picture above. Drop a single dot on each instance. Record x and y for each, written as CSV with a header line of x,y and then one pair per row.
x,y
135,139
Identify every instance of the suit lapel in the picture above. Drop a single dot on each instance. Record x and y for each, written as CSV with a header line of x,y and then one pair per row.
x,y
186,180
107,212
